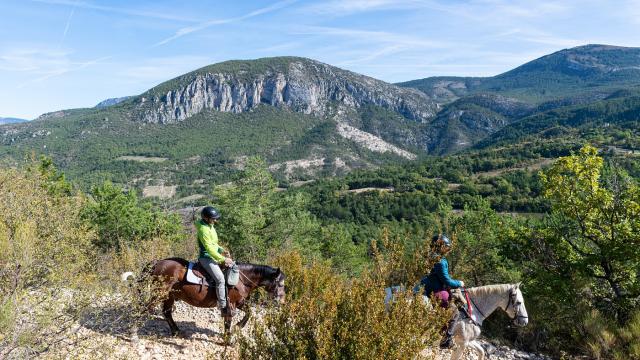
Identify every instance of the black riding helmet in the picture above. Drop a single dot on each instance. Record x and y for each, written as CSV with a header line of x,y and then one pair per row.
x,y
210,212
443,237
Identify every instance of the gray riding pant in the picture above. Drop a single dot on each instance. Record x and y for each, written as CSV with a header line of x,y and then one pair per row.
x,y
216,272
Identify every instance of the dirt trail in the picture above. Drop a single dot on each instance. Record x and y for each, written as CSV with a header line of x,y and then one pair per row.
x,y
107,338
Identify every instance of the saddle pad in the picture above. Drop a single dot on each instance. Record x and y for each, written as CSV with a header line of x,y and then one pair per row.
x,y
192,278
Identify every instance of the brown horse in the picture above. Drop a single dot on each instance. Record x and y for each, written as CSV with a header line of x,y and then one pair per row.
x,y
171,276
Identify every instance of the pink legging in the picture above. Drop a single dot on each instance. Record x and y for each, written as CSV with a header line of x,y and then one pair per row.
x,y
443,296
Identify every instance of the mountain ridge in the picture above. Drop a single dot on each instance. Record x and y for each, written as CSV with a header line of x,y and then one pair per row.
x,y
542,79
300,84
307,119
11,120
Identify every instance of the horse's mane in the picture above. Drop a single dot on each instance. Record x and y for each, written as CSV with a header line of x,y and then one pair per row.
x,y
182,261
489,289
263,270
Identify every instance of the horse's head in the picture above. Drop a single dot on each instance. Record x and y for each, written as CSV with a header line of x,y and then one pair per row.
x,y
275,287
515,307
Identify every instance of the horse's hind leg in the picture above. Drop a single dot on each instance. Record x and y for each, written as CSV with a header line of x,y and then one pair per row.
x,y
167,311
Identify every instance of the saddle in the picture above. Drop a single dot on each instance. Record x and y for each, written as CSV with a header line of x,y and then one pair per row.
x,y
464,308
196,274
459,298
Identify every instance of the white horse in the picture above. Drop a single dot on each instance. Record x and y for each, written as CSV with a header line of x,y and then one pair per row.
x,y
484,300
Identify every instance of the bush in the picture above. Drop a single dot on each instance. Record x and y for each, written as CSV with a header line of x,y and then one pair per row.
x,y
120,218
329,317
605,341
44,256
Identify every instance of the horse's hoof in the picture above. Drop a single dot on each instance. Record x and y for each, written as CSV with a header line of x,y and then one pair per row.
x,y
229,340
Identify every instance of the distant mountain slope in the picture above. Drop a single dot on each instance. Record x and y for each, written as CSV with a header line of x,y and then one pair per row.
x,y
111,102
569,71
615,115
569,77
8,120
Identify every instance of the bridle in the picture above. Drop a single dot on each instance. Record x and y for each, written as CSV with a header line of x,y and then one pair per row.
x,y
255,285
513,302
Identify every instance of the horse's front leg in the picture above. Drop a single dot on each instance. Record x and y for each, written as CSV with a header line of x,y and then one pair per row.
x,y
458,352
478,348
228,339
247,314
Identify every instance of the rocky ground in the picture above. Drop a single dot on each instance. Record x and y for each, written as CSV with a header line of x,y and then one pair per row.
x,y
108,337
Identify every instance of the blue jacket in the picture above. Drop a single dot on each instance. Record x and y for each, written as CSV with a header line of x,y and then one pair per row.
x,y
439,279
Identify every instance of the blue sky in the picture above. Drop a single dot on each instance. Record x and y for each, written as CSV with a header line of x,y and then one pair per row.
x,y
61,54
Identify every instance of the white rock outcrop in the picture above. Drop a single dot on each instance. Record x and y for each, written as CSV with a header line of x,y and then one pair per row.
x,y
306,86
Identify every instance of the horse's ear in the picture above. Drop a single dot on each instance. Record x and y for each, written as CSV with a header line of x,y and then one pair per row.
x,y
278,271
518,285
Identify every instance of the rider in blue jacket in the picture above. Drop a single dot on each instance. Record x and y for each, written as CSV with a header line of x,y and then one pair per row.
x,y
438,283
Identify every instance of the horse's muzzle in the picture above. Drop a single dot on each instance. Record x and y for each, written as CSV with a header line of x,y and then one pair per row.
x,y
521,321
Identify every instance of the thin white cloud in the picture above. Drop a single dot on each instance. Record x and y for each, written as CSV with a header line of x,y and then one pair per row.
x,y
279,47
510,9
629,10
61,71
337,8
155,70
36,60
201,26
346,7
533,35
117,10
68,24
372,36
373,55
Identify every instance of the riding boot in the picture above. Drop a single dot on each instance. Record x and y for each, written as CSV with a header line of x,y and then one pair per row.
x,y
447,341
227,311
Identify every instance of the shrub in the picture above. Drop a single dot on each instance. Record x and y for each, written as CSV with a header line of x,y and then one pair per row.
x,y
605,341
44,256
330,317
120,218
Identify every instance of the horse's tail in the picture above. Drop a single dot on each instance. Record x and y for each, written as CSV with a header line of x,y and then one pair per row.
x,y
144,307
126,275
146,271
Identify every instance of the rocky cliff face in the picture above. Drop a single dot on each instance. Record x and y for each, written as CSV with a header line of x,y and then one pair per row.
x,y
300,85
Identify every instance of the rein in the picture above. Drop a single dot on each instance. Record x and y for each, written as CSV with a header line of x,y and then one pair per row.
x,y
247,278
474,303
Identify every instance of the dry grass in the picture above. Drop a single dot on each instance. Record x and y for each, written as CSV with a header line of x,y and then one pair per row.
x,y
142,158
159,191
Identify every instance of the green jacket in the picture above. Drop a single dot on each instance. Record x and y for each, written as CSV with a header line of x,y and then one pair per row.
x,y
208,242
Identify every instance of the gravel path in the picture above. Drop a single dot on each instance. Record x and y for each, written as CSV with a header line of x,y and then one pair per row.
x,y
108,338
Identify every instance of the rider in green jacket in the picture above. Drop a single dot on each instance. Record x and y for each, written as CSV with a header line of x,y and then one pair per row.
x,y
210,256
